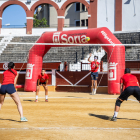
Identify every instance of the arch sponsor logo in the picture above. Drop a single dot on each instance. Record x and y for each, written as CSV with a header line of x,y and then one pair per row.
x,y
29,71
5,66
70,38
112,71
107,38
56,37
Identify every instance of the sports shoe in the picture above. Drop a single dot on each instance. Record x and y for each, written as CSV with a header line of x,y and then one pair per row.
x,y
114,119
91,93
94,92
46,100
23,119
36,100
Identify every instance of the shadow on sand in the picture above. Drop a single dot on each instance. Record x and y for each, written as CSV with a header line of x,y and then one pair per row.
x,y
29,100
10,120
105,117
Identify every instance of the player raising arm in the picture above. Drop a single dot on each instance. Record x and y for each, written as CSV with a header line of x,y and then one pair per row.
x,y
131,85
94,73
42,80
10,77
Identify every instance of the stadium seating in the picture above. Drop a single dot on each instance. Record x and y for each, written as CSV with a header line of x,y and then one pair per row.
x,y
131,52
19,53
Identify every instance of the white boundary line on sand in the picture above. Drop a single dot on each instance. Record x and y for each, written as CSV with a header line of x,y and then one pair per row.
x,y
73,98
68,128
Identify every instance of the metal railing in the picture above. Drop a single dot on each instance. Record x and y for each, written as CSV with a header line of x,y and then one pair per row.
x,y
13,26
42,26
48,26
73,25
66,66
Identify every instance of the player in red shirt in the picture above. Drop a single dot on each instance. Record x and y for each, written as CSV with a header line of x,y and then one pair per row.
x,y
42,80
10,77
131,86
94,73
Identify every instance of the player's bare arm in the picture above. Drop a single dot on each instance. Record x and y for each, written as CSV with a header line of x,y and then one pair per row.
x,y
15,81
121,87
96,65
89,58
38,81
46,82
138,84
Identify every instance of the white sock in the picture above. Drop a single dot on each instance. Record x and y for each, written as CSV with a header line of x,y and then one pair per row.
x,y
36,97
93,89
46,96
115,114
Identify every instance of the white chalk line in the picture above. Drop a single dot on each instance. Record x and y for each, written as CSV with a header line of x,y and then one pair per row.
x,y
66,97
69,128
133,100
73,98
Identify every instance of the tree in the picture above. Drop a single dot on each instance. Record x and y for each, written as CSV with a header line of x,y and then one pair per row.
x,y
39,23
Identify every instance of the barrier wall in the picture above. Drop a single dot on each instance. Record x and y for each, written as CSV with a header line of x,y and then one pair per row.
x,y
62,81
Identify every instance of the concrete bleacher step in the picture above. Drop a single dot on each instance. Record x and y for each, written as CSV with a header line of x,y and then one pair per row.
x,y
4,42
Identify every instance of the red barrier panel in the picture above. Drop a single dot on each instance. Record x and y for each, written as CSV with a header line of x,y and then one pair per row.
x,y
19,86
116,54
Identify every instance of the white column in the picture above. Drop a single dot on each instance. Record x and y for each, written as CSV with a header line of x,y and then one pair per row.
x,y
61,17
29,18
89,16
53,77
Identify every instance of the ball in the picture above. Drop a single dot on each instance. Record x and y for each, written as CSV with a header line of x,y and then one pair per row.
x,y
87,38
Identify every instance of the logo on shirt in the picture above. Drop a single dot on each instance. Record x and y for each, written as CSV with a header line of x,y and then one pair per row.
x,y
112,71
5,66
42,79
94,65
29,71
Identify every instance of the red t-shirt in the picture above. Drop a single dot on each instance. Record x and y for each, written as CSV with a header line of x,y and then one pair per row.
x,y
129,80
93,66
43,78
9,77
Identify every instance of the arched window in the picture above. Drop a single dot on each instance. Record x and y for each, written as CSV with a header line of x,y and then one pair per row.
x,y
76,14
46,12
13,19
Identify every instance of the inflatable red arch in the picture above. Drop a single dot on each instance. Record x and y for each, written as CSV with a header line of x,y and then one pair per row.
x,y
116,54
